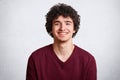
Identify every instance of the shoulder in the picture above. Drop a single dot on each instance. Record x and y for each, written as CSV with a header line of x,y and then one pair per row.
x,y
41,52
85,55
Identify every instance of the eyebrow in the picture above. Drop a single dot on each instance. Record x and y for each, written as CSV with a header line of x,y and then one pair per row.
x,y
64,21
69,21
56,21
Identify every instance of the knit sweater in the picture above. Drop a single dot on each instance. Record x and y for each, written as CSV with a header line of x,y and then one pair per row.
x,y
43,64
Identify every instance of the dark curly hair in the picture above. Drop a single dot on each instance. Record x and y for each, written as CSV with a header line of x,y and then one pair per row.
x,y
64,10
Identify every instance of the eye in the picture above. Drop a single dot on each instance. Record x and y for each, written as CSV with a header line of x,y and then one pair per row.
x,y
68,23
56,23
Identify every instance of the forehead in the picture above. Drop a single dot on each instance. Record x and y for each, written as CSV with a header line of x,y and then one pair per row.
x,y
61,18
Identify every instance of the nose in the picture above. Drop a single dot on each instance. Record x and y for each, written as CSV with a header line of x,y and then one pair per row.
x,y
62,27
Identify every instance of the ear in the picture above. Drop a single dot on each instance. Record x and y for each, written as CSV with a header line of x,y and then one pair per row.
x,y
50,32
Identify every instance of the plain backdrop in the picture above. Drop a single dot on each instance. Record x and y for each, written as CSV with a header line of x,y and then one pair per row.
x,y
22,30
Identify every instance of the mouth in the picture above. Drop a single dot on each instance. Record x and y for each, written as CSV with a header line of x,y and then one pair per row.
x,y
62,33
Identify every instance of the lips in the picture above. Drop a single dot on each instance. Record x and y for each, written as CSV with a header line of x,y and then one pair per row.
x,y
62,33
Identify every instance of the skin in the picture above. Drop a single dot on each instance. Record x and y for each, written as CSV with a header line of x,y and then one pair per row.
x,y
62,30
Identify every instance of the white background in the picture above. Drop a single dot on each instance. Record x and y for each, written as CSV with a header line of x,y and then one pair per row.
x,y
22,31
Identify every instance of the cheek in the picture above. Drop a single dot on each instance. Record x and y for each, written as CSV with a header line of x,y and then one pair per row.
x,y
53,30
72,30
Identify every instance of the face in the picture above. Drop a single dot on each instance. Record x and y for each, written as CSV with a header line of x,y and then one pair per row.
x,y
62,28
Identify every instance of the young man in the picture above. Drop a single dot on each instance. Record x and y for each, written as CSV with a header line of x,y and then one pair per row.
x,y
61,60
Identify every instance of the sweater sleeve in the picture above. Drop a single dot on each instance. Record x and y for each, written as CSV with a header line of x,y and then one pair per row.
x,y
31,73
91,70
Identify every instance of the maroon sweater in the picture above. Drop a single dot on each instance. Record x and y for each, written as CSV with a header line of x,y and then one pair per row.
x,y
43,64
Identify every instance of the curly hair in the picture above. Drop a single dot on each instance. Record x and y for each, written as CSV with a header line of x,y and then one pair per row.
x,y
64,10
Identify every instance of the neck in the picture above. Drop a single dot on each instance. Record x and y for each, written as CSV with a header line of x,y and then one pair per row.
x,y
63,50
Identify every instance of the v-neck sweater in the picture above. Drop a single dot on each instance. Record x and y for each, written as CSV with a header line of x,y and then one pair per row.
x,y
43,64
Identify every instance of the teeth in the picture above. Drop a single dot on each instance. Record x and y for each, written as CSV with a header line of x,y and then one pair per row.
x,y
62,32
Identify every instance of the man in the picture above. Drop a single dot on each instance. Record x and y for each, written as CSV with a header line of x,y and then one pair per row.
x,y
61,60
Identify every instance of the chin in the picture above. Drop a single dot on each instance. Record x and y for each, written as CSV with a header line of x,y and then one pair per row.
x,y
63,40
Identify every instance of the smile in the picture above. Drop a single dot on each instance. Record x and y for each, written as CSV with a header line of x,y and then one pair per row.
x,y
62,33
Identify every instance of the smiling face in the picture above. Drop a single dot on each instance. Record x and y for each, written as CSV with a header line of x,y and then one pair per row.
x,y
62,28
